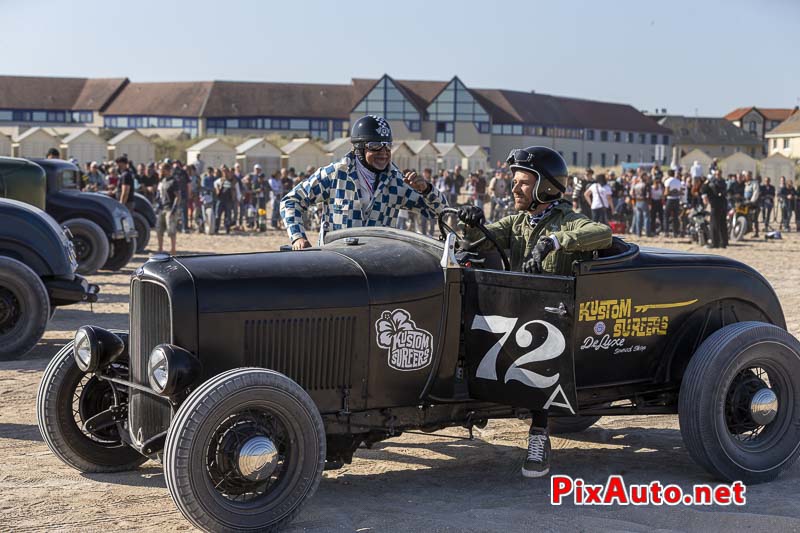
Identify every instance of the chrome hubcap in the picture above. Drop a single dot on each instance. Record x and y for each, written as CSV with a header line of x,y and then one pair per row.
x,y
258,458
764,406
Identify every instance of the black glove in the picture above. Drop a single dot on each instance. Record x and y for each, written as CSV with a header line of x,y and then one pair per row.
x,y
534,263
471,216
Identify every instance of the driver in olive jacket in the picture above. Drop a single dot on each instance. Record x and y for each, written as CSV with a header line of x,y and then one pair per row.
x,y
546,236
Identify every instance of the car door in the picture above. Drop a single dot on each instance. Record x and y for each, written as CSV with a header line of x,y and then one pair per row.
x,y
518,332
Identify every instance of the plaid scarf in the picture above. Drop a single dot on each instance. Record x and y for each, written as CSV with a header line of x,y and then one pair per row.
x,y
535,219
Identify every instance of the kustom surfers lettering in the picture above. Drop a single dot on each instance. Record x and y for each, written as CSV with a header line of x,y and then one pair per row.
x,y
410,347
628,320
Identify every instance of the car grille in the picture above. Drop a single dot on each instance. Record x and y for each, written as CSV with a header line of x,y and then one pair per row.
x,y
150,325
313,351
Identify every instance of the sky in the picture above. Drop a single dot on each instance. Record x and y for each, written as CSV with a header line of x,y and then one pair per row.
x,y
701,57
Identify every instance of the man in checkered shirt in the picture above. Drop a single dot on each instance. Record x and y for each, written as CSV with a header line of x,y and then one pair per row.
x,y
363,189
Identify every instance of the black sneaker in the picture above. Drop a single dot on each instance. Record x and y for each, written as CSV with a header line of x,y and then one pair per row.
x,y
537,460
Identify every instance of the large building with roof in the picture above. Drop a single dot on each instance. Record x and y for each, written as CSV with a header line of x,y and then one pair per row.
x,y
586,132
717,137
785,138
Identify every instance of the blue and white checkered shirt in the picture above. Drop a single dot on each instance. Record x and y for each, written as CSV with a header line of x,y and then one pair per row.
x,y
337,186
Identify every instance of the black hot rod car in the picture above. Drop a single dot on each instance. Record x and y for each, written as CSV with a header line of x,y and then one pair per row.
x,y
249,374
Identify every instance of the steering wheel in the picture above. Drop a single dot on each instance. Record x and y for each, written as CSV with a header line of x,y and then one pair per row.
x,y
445,228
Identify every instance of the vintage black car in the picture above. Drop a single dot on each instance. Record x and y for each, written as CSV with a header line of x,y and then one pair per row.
x,y
144,220
249,374
37,274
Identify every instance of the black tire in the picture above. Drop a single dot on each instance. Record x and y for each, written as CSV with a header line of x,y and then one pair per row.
x,y
121,254
62,391
738,228
559,425
24,309
91,245
239,399
702,236
720,434
142,232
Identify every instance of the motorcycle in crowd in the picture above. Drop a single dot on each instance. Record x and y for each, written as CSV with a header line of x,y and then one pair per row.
x,y
699,228
741,219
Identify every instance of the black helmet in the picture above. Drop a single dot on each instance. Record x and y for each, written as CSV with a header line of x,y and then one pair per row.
x,y
371,128
545,163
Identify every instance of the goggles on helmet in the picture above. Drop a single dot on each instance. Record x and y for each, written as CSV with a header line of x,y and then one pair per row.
x,y
375,146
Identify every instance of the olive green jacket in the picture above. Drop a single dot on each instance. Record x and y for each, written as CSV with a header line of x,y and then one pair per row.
x,y
577,236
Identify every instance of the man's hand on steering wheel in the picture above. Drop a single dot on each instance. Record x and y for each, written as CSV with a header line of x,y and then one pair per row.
x,y
471,216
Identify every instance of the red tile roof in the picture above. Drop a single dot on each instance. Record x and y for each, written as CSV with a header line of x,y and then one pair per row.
x,y
770,113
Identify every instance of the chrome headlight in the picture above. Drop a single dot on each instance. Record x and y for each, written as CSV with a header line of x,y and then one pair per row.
x,y
96,347
83,351
171,369
158,369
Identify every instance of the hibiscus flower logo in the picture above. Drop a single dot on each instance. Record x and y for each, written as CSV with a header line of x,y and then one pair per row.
x,y
409,347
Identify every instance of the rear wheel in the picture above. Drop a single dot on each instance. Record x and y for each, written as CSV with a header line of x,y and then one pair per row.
x,y
738,228
142,232
24,308
121,254
244,452
67,398
91,245
740,401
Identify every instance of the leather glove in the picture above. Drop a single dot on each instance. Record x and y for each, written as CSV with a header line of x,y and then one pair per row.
x,y
471,216
542,249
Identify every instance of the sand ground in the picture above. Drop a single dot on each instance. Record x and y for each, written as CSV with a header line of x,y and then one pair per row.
x,y
411,483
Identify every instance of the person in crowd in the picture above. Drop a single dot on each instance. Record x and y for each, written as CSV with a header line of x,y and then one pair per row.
x,y
696,169
752,195
498,191
767,202
656,206
640,198
672,190
259,187
168,199
599,197
276,190
246,206
796,204
714,198
236,176
126,183
95,180
363,189
579,202
785,202
192,196
458,184
477,184
225,188
545,237
182,178
208,201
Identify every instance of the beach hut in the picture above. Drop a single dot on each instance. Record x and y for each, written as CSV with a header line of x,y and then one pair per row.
x,y
5,145
85,146
775,166
303,153
34,142
404,157
338,148
696,155
424,152
737,163
259,151
449,155
475,157
139,148
213,151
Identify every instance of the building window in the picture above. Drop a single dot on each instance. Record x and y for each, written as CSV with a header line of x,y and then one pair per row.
x,y
603,160
665,139
774,143
386,100
617,136
786,143
340,128
588,159
752,126
774,124
628,158
482,127
653,139
589,135
456,104
642,138
6,115
604,136
616,159
507,129
630,137
444,132
574,159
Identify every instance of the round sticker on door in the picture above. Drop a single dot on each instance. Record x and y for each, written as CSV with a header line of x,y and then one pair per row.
x,y
410,347
599,328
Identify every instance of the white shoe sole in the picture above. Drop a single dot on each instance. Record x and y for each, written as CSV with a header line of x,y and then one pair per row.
x,y
534,473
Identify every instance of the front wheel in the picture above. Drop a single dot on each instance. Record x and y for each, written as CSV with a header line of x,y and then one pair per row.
x,y
91,245
738,228
244,452
67,398
739,402
24,308
121,253
142,232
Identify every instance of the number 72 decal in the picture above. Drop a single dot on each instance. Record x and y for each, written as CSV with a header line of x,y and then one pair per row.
x,y
552,347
